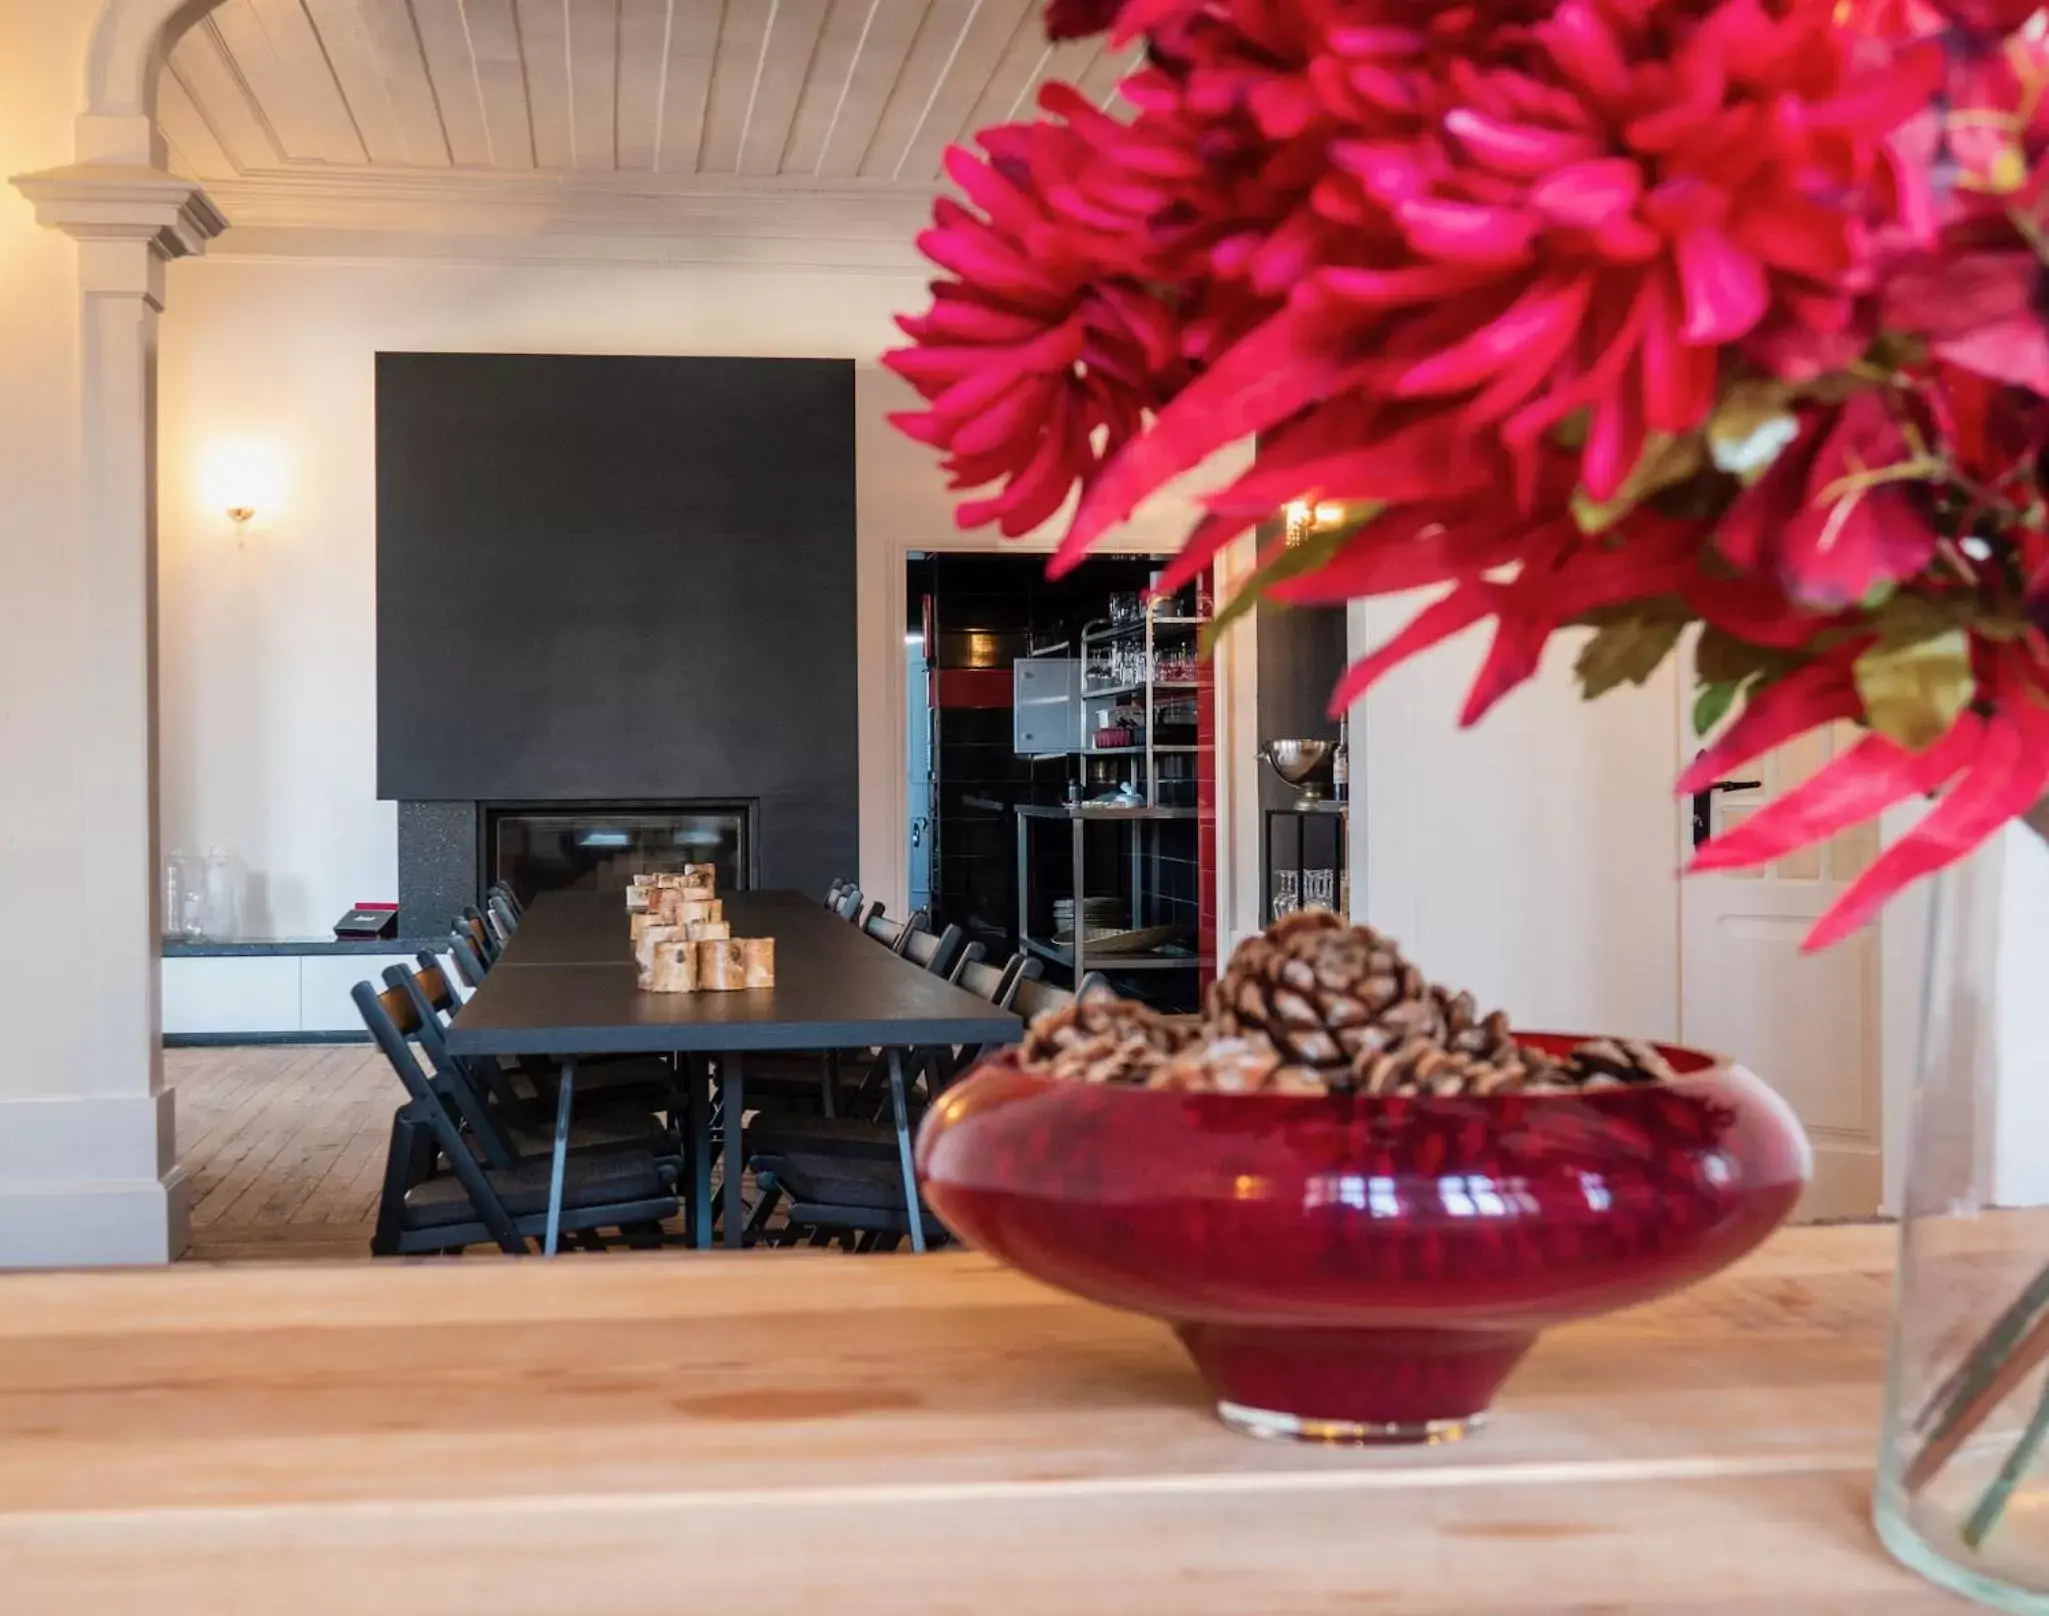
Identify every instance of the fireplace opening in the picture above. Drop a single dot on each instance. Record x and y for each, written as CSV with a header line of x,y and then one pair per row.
x,y
600,847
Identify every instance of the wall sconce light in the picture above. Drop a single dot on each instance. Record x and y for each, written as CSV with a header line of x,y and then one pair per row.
x,y
1304,519
242,479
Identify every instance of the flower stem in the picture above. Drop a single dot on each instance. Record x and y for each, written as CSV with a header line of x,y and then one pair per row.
x,y
1993,1504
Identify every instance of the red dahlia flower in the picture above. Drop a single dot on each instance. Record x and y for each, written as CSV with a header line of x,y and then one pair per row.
x,y
1839,513
1577,220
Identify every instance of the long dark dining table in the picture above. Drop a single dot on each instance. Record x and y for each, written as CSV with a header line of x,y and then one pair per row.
x,y
566,987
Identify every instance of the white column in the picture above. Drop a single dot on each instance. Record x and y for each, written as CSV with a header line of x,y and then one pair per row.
x,y
88,1170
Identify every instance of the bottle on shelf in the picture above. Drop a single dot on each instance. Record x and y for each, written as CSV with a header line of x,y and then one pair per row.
x,y
1341,764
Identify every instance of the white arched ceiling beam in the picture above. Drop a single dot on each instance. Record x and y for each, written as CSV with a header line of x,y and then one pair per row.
x,y
122,67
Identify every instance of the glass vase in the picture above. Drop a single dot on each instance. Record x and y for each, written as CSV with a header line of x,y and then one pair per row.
x,y
1963,1480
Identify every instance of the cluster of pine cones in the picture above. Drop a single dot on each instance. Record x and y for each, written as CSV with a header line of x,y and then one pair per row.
x,y
1314,1006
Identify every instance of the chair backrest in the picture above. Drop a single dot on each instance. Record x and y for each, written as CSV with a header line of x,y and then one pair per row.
x,y
937,954
1034,998
390,1017
502,920
983,980
463,951
849,906
832,896
501,890
481,934
434,983
873,913
997,983
891,934
456,1083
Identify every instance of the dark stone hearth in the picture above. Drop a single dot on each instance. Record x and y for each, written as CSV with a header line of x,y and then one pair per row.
x,y
437,865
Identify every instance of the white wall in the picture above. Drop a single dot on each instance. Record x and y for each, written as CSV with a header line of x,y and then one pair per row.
x,y
1531,858
268,664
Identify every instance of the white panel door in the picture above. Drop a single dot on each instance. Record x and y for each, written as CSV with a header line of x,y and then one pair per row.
x,y
1808,1024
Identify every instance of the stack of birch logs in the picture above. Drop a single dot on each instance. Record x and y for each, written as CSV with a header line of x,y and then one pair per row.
x,y
683,941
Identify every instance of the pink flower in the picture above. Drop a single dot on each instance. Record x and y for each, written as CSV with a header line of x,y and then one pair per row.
x,y
1824,519
1573,219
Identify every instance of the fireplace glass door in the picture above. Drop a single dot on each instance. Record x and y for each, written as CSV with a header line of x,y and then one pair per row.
x,y
557,847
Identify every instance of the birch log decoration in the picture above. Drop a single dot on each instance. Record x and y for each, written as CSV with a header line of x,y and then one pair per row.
x,y
708,931
759,956
675,968
721,967
647,945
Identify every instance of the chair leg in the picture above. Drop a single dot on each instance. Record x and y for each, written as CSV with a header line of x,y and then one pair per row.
x,y
900,1108
403,1168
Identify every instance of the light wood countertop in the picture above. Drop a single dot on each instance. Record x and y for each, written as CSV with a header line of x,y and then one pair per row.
x,y
689,1432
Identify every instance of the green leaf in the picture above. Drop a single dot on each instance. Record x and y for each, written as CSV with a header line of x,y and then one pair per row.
x,y
1914,692
1721,658
1711,704
1627,652
1318,546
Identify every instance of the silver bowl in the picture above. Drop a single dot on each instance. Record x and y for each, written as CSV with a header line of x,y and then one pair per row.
x,y
1295,762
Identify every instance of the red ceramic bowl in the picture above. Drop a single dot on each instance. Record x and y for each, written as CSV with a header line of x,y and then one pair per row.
x,y
1362,1268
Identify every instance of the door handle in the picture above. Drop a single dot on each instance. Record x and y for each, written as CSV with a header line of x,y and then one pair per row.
x,y
1703,805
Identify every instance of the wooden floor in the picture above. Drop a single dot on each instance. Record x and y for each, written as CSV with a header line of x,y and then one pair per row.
x,y
284,1147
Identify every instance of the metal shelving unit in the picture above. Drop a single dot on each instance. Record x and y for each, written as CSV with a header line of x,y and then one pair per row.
x,y
1075,956
1151,627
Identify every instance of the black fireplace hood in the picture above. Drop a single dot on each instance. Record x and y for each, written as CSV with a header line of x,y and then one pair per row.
x,y
617,581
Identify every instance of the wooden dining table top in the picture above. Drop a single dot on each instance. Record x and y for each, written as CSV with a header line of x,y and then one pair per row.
x,y
567,985
899,1436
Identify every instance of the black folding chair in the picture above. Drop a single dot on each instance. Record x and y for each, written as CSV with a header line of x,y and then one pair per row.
x,y
475,1203
511,1127
856,1177
503,892
484,938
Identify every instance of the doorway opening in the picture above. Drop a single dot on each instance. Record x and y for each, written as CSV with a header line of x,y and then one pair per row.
x,y
1061,761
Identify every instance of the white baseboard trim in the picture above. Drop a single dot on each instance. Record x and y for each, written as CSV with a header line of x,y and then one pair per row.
x,y
89,1181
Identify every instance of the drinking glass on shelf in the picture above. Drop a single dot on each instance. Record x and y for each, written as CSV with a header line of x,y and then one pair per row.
x,y
1319,889
1287,896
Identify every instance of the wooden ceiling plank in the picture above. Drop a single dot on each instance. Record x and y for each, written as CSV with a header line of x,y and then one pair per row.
x,y
893,32
840,45
788,56
402,62
291,106
735,67
343,31
544,37
643,57
304,56
501,82
196,148
1099,80
1007,91
202,65
916,143
594,69
452,69
694,29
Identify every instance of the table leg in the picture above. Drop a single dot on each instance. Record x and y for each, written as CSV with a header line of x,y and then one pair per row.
x,y
899,1103
698,1081
563,1100
734,1070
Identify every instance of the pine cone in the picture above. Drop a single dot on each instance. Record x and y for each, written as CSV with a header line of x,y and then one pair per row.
x,y
1467,1032
1236,1066
1323,992
1101,1038
1422,1066
1604,1063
